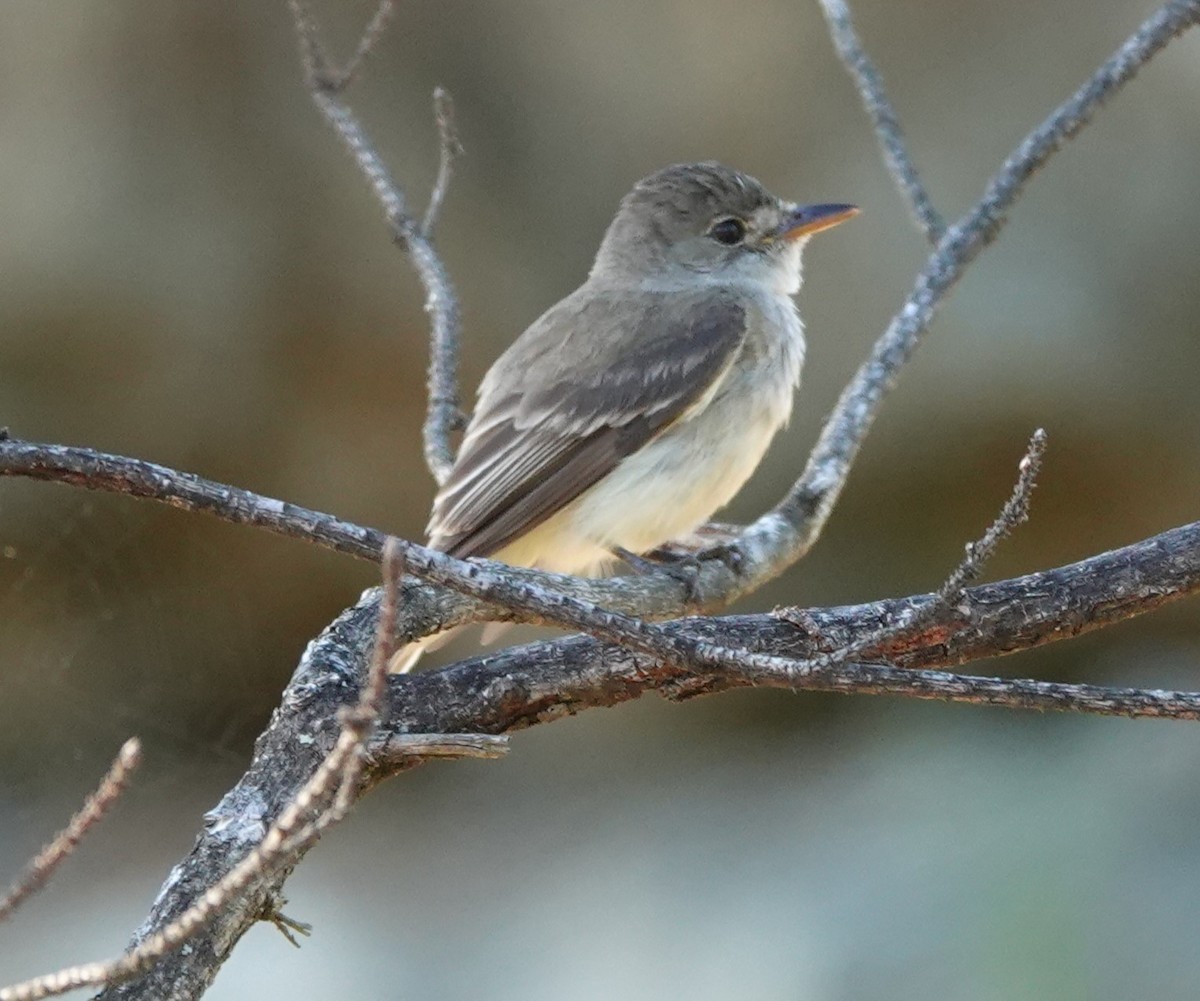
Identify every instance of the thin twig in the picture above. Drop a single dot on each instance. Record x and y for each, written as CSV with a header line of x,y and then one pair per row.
x,y
323,800
366,42
39,870
361,720
785,534
449,149
1015,512
917,616
887,125
325,85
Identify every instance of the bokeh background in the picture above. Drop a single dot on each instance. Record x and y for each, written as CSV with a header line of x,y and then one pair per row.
x,y
192,271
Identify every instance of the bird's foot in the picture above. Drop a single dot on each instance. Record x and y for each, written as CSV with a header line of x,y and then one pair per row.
x,y
713,541
683,560
684,568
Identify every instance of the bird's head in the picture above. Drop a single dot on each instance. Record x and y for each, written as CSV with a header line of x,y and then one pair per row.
x,y
707,221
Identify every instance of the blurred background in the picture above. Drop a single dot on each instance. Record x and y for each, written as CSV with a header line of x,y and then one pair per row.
x,y
193,272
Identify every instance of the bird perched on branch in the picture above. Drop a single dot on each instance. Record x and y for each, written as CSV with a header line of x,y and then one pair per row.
x,y
632,410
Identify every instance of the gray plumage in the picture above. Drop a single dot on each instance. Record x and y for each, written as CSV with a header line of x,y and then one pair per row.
x,y
634,408
545,431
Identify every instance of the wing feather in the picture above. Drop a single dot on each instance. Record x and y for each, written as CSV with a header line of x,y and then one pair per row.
x,y
546,429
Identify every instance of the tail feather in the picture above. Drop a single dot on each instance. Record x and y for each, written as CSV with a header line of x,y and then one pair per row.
x,y
405,659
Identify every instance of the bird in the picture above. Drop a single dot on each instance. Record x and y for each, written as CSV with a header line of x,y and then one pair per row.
x,y
632,410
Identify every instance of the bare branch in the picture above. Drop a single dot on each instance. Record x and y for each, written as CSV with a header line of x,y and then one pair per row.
x,y
684,658
887,126
323,800
325,85
786,534
655,596
450,149
39,870
528,685
917,616
613,610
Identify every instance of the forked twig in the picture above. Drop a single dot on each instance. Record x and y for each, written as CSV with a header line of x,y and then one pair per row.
x,y
325,85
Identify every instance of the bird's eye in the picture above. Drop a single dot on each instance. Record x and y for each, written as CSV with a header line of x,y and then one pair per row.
x,y
728,231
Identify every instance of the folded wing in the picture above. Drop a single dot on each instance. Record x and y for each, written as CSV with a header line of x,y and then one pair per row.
x,y
591,382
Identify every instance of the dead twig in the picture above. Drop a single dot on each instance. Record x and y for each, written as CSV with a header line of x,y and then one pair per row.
x,y
39,870
325,84
450,149
1014,512
883,116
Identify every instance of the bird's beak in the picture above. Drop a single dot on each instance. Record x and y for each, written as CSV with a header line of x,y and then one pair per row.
x,y
808,219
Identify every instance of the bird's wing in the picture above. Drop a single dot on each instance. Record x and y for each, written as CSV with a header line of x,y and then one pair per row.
x,y
591,382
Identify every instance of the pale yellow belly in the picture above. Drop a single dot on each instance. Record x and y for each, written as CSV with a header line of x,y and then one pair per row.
x,y
664,491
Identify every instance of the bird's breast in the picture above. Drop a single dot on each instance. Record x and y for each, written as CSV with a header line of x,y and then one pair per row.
x,y
675,483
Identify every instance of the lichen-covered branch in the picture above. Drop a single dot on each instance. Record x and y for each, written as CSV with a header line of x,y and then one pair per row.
x,y
542,682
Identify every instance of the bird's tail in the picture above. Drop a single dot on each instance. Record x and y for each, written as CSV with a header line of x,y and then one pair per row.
x,y
405,659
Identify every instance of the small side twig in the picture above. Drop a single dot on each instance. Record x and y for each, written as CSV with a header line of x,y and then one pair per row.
x,y
887,125
325,84
1015,512
390,748
39,870
916,617
449,149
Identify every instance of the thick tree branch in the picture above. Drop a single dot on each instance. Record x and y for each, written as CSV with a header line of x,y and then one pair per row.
x,y
535,684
